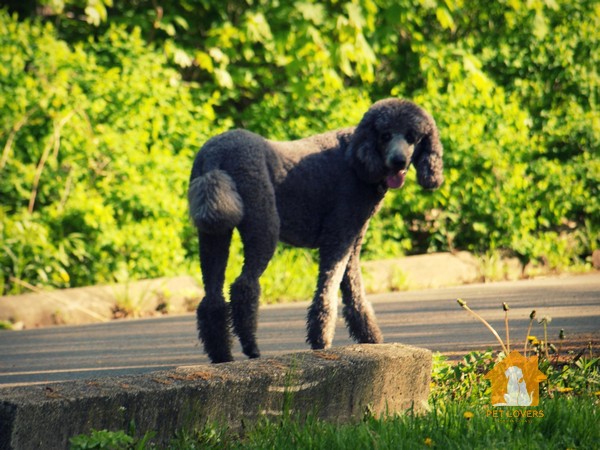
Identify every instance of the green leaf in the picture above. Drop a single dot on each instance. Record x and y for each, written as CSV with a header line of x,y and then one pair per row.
x,y
445,19
223,78
313,12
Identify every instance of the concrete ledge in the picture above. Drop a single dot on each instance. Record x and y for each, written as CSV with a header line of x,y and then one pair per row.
x,y
336,385
422,272
101,303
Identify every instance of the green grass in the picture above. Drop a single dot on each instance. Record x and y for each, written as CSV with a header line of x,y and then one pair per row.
x,y
566,424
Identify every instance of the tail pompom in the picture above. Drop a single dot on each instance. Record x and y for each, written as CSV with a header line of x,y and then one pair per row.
x,y
214,202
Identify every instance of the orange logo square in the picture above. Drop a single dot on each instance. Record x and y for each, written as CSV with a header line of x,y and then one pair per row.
x,y
516,381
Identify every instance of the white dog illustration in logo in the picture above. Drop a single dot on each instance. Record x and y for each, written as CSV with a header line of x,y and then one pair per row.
x,y
516,394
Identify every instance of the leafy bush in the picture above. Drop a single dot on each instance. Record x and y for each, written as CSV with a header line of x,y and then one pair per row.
x,y
98,143
100,119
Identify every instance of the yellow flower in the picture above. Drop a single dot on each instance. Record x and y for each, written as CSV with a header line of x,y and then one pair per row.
x,y
468,415
428,442
565,389
533,340
597,393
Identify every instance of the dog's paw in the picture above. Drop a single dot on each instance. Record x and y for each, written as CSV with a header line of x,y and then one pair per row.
x,y
252,352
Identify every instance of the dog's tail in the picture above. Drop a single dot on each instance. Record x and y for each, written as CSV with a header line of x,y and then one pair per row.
x,y
214,202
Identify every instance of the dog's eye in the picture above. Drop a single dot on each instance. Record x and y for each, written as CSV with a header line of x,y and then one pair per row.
x,y
410,137
385,136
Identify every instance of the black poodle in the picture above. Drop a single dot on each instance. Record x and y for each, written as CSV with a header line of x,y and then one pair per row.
x,y
318,192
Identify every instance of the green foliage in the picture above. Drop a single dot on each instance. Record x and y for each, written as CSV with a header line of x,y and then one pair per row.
x,y
112,440
462,381
102,439
578,377
103,105
96,161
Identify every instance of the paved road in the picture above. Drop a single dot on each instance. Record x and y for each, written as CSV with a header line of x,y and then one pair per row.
x,y
429,318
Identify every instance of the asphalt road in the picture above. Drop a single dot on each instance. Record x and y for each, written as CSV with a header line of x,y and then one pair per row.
x,y
429,318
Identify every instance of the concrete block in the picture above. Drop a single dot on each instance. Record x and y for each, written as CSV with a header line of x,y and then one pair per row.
x,y
101,303
421,272
337,385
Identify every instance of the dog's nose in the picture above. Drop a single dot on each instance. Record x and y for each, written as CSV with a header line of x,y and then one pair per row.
x,y
398,162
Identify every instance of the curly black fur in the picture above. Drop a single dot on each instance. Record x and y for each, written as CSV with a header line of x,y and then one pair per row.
x,y
317,192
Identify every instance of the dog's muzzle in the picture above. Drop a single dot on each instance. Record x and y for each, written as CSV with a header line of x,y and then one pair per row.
x,y
398,159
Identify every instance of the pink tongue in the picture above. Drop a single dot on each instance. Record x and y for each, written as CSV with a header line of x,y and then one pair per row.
x,y
395,181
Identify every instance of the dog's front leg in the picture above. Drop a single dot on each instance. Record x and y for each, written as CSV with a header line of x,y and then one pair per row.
x,y
358,312
322,313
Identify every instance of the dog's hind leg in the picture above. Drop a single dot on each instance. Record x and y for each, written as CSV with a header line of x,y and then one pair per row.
x,y
213,316
259,232
358,311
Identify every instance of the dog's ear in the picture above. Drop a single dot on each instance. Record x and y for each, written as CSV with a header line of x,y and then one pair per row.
x,y
363,153
428,159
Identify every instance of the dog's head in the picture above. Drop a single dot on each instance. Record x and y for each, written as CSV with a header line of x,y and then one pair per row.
x,y
392,135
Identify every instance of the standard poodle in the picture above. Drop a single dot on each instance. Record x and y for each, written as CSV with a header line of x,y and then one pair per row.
x,y
318,192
